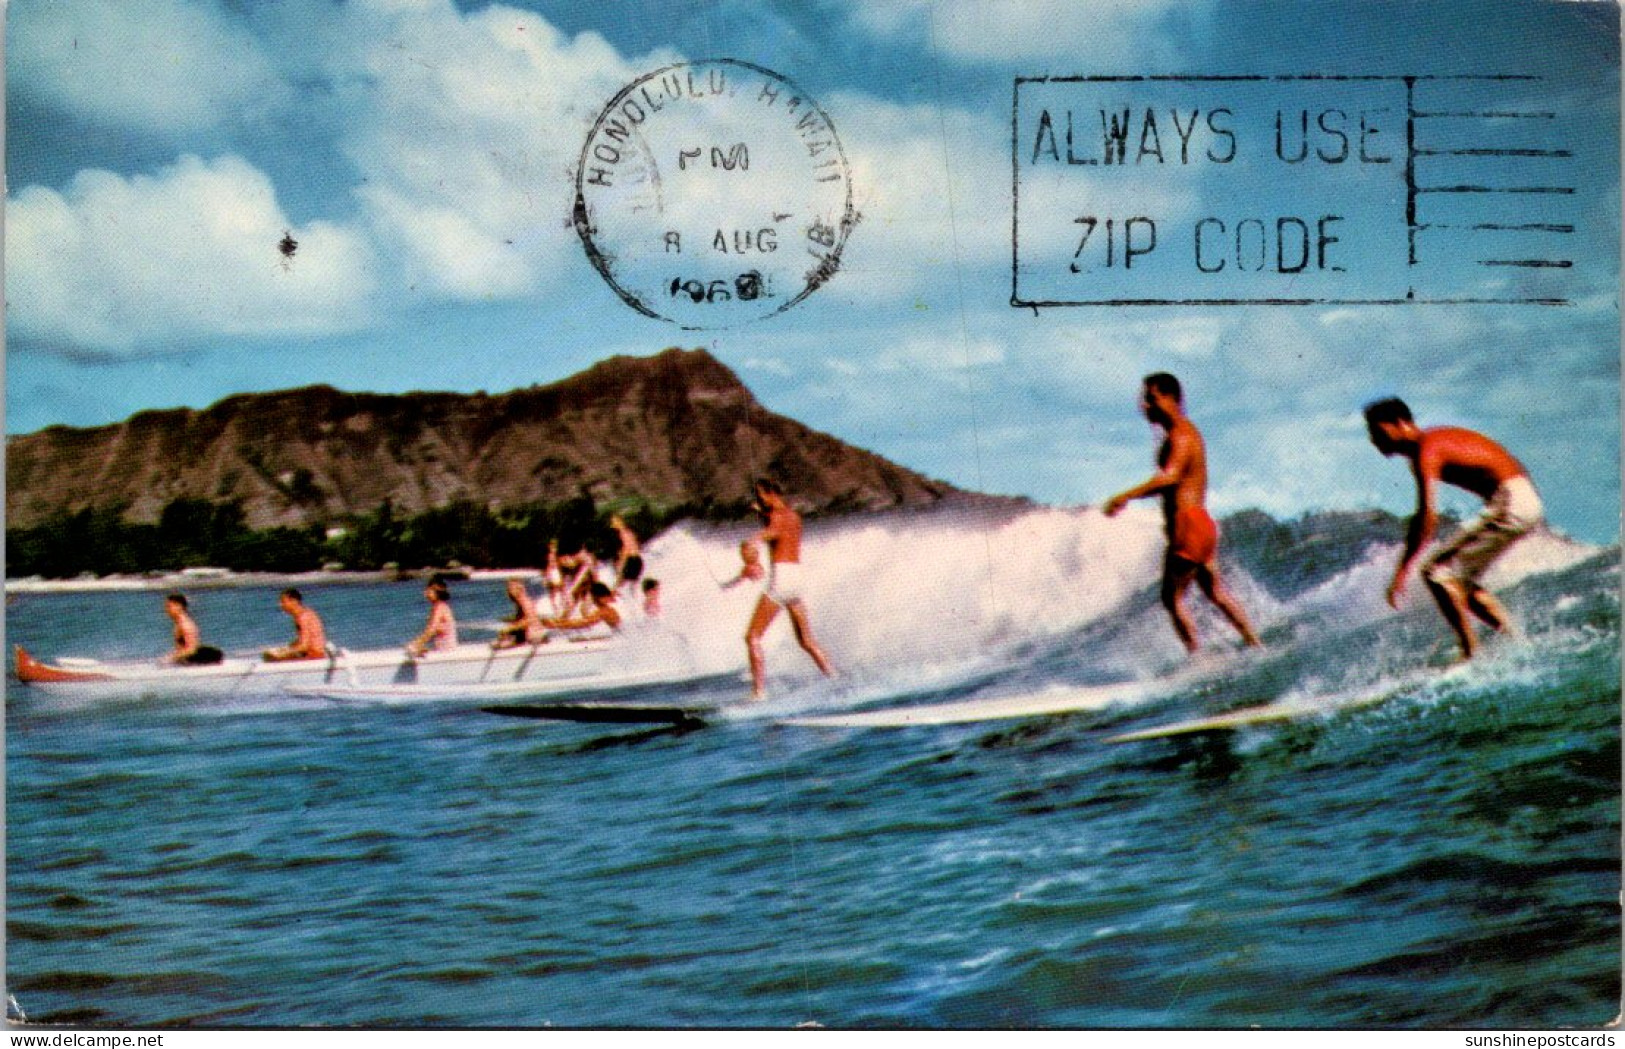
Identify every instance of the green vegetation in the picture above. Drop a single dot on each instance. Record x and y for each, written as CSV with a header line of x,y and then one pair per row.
x,y
193,533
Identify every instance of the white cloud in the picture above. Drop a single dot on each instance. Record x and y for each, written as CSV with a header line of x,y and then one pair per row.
x,y
953,354
771,366
466,129
932,185
463,129
1060,36
160,65
112,263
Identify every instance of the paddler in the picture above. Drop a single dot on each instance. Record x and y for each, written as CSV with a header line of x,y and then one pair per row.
x,y
310,639
440,633
188,650
524,626
1181,483
1470,461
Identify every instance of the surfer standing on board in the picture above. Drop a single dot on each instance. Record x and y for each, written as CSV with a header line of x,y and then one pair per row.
x,y
1473,462
310,641
1193,538
783,538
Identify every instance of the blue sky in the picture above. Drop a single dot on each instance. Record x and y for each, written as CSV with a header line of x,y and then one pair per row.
x,y
421,153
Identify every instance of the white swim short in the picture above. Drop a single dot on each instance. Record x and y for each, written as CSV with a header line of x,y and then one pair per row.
x,y
783,583
1511,513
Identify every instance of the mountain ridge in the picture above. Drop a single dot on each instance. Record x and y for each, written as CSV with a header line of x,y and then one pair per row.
x,y
675,429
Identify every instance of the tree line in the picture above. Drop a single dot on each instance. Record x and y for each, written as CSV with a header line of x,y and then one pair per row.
x,y
194,533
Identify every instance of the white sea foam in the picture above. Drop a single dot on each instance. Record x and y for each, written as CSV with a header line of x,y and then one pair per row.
x,y
906,603
921,592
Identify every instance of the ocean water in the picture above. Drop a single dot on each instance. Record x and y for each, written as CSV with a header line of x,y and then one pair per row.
x,y
1448,857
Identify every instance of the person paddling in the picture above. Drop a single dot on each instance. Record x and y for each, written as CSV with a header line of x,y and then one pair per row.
x,y
524,626
440,633
188,650
310,640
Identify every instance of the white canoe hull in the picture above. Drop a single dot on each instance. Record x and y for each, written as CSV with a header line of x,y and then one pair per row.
x,y
476,668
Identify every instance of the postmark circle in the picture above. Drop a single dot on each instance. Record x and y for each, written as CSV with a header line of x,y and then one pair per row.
x,y
713,193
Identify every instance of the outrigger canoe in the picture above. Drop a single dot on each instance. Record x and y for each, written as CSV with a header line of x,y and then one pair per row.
x,y
472,670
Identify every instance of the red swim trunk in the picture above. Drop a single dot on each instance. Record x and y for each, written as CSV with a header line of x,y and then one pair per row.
x,y
1195,538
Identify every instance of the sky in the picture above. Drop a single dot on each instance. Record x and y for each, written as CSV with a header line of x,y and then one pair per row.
x,y
422,154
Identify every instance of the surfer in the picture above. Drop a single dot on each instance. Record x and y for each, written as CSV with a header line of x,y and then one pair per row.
x,y
441,631
188,647
524,626
784,588
651,598
1193,538
602,610
310,640
629,558
1473,462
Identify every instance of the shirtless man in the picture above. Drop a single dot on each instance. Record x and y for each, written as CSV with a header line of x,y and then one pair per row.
x,y
187,648
783,538
1471,461
310,641
629,558
1193,539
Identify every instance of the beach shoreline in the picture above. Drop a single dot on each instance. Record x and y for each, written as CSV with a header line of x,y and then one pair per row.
x,y
228,579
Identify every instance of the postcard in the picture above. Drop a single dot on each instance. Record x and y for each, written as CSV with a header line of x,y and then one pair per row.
x,y
716,514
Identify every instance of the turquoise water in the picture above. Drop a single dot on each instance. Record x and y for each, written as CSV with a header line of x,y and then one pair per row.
x,y
1450,857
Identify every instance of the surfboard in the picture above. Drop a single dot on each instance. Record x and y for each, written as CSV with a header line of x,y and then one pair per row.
x,y
1259,715
1053,701
1286,710
606,713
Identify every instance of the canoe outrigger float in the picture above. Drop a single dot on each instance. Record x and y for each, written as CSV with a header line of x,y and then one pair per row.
x,y
576,665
